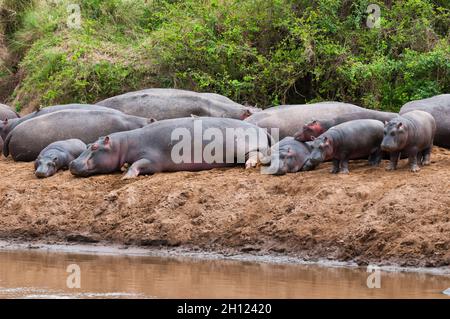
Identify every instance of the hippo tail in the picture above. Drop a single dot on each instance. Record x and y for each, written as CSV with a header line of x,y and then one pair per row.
x,y
6,145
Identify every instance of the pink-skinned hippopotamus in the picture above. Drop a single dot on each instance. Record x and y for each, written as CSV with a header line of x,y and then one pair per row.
x,y
411,134
319,126
7,125
56,156
163,104
29,138
184,144
439,107
290,118
350,140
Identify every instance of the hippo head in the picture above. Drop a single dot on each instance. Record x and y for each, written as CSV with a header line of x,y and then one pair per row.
x,y
309,131
395,136
321,150
99,158
4,128
46,166
288,156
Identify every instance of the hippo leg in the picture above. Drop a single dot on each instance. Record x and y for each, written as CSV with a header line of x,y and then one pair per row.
x,y
142,166
344,166
335,168
426,156
414,167
393,161
375,158
253,159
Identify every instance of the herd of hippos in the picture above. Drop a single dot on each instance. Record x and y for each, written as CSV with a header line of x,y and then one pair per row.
x,y
133,130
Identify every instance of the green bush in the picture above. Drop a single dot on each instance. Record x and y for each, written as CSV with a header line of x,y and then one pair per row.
x,y
261,52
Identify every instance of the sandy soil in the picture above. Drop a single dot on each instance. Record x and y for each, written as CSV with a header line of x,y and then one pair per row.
x,y
368,216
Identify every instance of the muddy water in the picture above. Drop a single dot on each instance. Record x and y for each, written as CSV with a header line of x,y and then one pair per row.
x,y
41,274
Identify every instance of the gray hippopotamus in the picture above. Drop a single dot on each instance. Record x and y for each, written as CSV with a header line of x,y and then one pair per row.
x,y
411,134
317,127
7,125
287,156
163,104
29,138
350,140
290,118
439,107
158,147
57,156
6,114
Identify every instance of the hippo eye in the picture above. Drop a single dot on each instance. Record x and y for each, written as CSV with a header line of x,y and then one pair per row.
x,y
392,133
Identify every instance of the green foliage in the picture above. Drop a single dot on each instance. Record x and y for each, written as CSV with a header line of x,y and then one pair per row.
x,y
262,52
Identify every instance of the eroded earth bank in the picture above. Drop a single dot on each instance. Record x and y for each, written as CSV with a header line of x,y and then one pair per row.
x,y
367,216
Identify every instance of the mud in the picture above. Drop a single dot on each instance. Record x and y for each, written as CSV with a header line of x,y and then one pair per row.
x,y
368,216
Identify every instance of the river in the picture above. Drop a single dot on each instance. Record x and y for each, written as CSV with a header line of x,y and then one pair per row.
x,y
43,274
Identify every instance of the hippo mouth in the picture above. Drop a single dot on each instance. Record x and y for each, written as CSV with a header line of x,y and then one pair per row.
x,y
76,170
44,174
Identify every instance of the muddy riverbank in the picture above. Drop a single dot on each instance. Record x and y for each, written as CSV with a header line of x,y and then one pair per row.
x,y
368,216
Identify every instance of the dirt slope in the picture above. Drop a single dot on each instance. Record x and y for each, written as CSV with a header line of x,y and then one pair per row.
x,y
367,216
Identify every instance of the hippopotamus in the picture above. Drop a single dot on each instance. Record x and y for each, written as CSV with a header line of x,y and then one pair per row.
x,y
163,104
57,156
6,113
350,140
287,156
29,138
411,134
290,118
158,147
7,125
317,127
439,107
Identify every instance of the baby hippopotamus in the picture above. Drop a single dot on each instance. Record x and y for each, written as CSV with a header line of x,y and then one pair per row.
x,y
411,134
287,156
57,156
350,140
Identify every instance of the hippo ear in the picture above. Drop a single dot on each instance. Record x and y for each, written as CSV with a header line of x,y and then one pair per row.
x,y
385,123
106,140
5,121
313,138
151,120
399,125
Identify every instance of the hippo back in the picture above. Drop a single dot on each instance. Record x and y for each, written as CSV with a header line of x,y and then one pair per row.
x,y
29,138
7,113
164,104
290,118
439,107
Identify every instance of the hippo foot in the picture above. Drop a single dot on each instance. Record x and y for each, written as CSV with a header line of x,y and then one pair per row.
x,y
344,171
426,162
391,168
251,163
334,171
415,169
131,173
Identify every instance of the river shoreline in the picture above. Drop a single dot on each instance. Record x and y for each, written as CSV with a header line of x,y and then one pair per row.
x,y
197,254
369,216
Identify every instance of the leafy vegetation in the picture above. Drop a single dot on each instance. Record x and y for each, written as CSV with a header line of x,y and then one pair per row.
x,y
261,52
